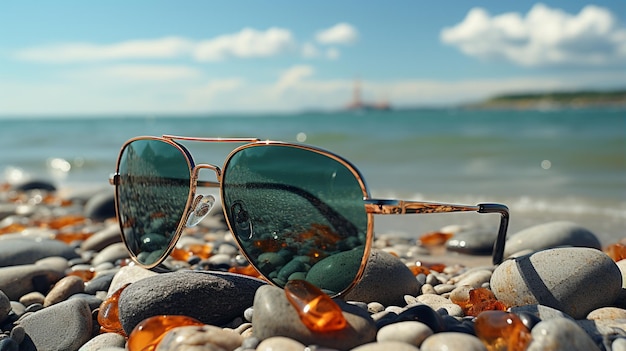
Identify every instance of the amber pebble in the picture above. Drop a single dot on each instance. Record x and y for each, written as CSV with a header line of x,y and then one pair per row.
x,y
616,252
69,237
60,222
203,251
500,330
435,238
12,228
248,270
316,309
180,254
416,270
480,299
147,335
108,314
84,274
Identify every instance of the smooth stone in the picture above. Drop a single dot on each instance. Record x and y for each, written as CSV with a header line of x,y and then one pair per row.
x,y
63,289
567,279
540,311
551,235
476,279
103,341
270,302
21,251
424,314
386,346
619,344
18,334
17,308
209,336
8,344
473,242
57,263
128,275
211,297
386,279
622,267
64,326
410,332
5,306
100,206
452,341
450,309
560,334
103,238
93,301
35,184
100,282
281,343
17,281
433,300
111,253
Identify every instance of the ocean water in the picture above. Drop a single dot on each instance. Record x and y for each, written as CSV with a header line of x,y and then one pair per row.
x,y
545,165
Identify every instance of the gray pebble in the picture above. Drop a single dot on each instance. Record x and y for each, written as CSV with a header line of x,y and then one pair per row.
x,y
270,302
8,344
22,251
409,332
386,346
386,279
280,343
111,253
64,326
211,297
18,333
103,341
452,341
209,337
5,306
473,242
31,298
551,235
560,334
103,238
567,279
619,344
63,289
16,281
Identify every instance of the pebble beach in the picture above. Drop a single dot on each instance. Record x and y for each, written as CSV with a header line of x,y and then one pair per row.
x,y
61,258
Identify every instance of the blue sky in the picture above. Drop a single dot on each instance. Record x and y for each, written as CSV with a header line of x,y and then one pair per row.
x,y
164,57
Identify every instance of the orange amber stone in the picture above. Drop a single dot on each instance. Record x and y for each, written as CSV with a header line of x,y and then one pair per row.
x,y
84,274
248,270
616,252
416,270
480,299
434,238
180,254
72,236
502,331
203,251
108,314
60,222
12,228
316,309
148,334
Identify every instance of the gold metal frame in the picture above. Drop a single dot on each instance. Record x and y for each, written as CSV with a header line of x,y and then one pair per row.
x,y
372,206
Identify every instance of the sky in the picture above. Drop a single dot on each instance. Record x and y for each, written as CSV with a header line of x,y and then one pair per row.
x,y
77,58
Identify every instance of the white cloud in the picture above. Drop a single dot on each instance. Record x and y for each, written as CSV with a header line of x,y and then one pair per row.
x,y
292,76
166,47
204,95
332,53
309,50
544,37
342,33
245,44
141,72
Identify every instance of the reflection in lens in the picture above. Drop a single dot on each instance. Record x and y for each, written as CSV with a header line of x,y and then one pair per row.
x,y
152,194
297,214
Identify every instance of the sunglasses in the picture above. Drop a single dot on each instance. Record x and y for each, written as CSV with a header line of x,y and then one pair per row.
x,y
296,211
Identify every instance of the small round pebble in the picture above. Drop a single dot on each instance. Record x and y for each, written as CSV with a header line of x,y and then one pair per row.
x,y
410,332
280,343
452,341
386,346
63,289
5,306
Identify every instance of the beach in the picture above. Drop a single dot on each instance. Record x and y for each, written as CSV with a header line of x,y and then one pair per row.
x,y
560,172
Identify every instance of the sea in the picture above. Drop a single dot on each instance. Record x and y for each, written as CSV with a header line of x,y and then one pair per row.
x,y
545,165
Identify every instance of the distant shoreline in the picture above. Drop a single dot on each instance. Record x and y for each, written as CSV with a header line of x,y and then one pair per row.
x,y
553,100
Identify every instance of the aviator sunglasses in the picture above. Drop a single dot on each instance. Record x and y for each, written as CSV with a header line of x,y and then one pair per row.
x,y
296,211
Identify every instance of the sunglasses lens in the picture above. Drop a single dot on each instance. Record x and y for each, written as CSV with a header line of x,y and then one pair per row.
x,y
297,214
152,192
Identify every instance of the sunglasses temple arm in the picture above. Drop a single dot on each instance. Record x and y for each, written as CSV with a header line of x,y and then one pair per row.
x,y
378,206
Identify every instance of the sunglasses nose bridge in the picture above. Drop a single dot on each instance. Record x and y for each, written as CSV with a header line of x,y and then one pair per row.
x,y
214,168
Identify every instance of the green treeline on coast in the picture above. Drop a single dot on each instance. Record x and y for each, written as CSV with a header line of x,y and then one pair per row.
x,y
574,99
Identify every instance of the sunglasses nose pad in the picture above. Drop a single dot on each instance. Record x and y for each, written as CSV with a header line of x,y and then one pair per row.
x,y
202,206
